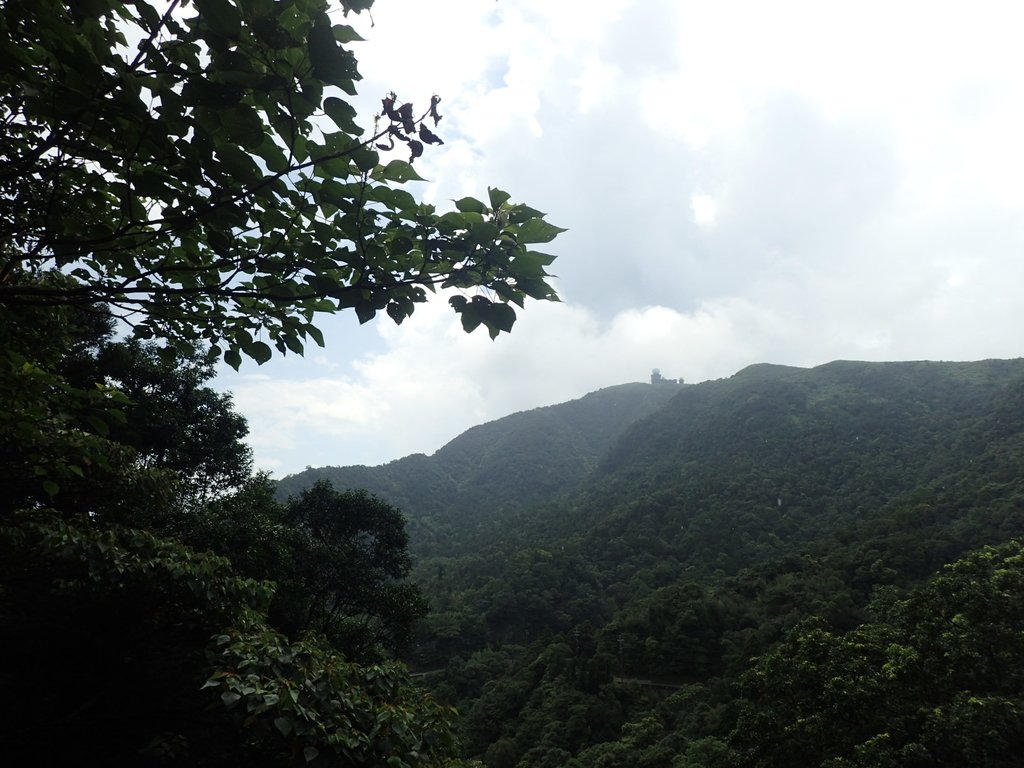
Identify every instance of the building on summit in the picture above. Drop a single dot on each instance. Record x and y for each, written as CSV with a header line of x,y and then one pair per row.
x,y
657,378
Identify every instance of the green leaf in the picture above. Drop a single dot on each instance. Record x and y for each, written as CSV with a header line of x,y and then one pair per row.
x,y
331,63
233,358
453,221
345,34
244,126
239,163
471,312
259,352
521,213
294,345
538,231
536,288
401,245
270,32
365,312
403,201
272,155
529,265
283,724
470,205
221,17
470,319
99,425
400,171
497,197
316,333
500,317
323,305
483,232
343,114
310,753
50,487
365,159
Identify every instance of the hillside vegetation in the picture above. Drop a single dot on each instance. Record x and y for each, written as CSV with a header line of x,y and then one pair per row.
x,y
497,468
786,567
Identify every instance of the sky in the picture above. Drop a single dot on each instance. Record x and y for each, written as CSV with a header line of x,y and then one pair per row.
x,y
742,182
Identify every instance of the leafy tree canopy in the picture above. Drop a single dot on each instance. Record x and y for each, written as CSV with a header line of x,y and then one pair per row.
x,y
935,680
349,557
197,168
81,402
194,171
136,650
339,559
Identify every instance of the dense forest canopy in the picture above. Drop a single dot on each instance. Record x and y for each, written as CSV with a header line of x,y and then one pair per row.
x,y
184,182
496,469
787,567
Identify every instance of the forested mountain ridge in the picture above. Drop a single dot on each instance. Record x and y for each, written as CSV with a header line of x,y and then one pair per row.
x,y
841,419
755,571
499,467
707,537
785,452
733,473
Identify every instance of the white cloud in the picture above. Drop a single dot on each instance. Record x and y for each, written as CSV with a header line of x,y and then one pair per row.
x,y
704,208
432,381
788,182
597,83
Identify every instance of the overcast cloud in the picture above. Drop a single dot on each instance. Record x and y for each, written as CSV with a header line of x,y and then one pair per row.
x,y
743,182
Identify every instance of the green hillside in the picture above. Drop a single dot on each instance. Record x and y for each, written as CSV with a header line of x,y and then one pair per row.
x,y
497,468
708,535
773,455
753,571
